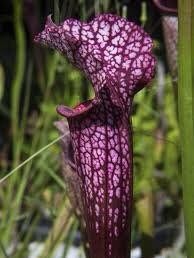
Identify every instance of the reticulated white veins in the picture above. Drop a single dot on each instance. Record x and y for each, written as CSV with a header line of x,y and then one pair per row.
x,y
116,56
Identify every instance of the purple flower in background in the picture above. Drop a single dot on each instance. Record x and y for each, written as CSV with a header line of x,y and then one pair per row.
x,y
115,55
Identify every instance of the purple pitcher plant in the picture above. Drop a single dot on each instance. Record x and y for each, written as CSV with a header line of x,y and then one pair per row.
x,y
168,10
116,57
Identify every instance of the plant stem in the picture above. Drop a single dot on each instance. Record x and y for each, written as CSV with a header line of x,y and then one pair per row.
x,y
186,115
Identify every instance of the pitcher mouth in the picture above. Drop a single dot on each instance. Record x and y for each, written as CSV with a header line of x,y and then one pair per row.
x,y
167,7
79,109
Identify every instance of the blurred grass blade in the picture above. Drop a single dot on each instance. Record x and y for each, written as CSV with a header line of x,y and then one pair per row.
x,y
143,17
60,228
56,11
186,115
30,158
2,81
58,180
3,250
19,74
145,216
97,6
